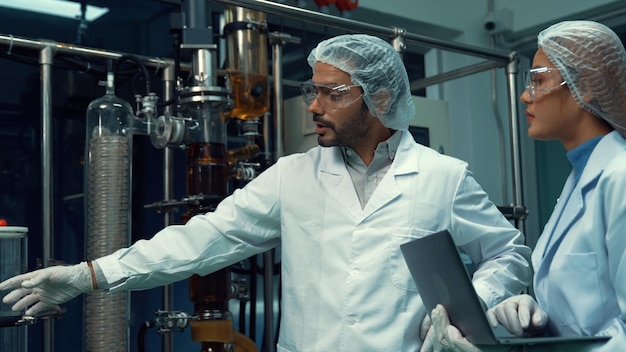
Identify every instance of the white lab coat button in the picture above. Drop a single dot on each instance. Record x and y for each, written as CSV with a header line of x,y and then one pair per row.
x,y
354,273
350,321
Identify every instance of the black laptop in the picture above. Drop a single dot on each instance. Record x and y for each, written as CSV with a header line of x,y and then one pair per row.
x,y
442,278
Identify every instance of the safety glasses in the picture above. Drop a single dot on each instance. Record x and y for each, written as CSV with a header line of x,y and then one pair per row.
x,y
332,97
541,80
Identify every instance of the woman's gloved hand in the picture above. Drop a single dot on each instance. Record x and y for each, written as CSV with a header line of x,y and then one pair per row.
x,y
439,335
518,314
48,287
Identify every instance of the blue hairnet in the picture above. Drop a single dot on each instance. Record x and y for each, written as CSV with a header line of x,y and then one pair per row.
x,y
373,64
592,60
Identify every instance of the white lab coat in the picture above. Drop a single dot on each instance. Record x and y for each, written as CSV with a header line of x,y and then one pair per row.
x,y
345,284
580,260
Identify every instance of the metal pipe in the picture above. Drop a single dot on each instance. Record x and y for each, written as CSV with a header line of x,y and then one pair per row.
x,y
454,74
268,258
64,48
268,300
195,14
169,81
46,55
355,26
516,160
278,97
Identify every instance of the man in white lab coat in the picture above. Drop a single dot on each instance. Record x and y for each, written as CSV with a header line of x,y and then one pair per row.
x,y
339,212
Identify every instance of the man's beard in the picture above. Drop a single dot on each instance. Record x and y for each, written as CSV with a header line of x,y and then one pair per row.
x,y
353,129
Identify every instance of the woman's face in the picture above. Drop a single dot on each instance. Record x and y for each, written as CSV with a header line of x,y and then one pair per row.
x,y
553,113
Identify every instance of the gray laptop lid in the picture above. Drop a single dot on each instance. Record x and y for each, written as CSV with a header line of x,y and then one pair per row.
x,y
442,278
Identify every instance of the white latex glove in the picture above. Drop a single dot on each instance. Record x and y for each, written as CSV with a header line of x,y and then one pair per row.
x,y
518,314
48,287
439,335
426,334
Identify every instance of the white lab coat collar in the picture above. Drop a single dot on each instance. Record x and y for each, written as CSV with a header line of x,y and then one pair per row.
x,y
334,175
601,156
332,160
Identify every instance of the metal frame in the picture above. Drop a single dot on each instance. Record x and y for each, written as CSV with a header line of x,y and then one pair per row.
x,y
47,50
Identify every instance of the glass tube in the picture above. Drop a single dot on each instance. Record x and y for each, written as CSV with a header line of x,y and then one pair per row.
x,y
108,210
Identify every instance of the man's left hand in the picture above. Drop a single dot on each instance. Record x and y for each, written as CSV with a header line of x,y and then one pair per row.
x,y
439,335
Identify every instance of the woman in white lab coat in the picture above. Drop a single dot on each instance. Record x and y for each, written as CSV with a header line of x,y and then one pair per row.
x,y
576,93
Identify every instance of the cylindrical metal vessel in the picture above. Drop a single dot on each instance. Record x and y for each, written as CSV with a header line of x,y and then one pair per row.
x,y
246,41
13,261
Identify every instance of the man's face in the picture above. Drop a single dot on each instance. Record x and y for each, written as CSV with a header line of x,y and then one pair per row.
x,y
346,126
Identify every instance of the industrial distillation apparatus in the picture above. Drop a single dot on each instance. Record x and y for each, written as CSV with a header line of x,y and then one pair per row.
x,y
210,164
199,126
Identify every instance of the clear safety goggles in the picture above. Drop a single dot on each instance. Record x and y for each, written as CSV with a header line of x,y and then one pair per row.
x,y
332,97
541,80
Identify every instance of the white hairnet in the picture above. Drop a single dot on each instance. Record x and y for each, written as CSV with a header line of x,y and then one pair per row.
x,y
592,60
373,64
